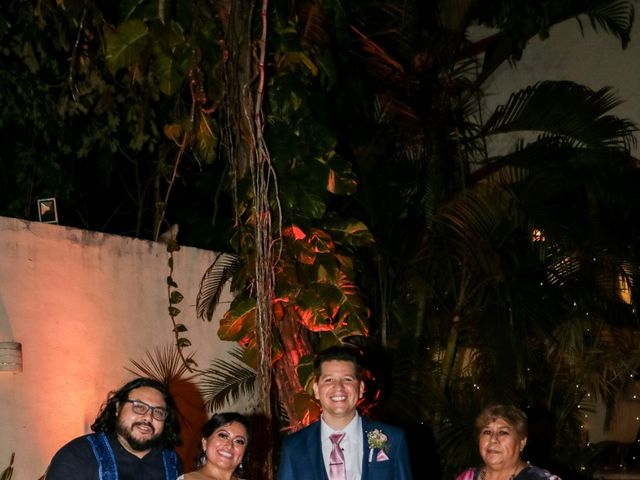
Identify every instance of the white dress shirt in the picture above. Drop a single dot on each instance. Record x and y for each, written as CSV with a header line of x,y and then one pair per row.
x,y
351,446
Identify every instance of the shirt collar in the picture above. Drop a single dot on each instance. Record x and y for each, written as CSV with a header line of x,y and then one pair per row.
x,y
350,430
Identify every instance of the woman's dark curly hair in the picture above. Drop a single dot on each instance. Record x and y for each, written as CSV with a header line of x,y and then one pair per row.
x,y
106,420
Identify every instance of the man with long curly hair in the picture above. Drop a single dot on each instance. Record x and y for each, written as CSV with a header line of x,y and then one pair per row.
x,y
134,437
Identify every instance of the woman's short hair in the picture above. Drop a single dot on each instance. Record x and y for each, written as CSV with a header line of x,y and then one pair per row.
x,y
509,413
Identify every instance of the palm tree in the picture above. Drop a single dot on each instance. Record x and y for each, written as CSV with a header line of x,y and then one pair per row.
x,y
474,306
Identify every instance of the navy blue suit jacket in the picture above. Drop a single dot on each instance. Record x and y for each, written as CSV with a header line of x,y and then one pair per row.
x,y
301,456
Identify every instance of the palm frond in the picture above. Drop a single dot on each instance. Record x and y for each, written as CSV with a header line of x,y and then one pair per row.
x,y
7,473
456,433
515,166
225,381
564,109
163,364
222,269
312,19
378,59
614,17
479,214
611,16
403,388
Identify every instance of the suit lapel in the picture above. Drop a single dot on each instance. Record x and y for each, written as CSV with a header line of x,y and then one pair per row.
x,y
314,448
365,448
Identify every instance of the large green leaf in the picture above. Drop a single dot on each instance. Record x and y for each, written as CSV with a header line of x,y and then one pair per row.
x,y
136,9
307,409
349,231
239,321
341,179
170,69
125,44
312,204
305,372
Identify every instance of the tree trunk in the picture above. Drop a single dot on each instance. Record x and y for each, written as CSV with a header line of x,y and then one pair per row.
x,y
296,344
248,153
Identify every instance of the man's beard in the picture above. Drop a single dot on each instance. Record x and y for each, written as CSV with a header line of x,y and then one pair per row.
x,y
137,444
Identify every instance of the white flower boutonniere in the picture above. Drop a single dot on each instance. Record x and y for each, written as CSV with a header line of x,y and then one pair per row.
x,y
377,440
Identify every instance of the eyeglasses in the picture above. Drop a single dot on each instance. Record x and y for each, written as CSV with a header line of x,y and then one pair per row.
x,y
141,408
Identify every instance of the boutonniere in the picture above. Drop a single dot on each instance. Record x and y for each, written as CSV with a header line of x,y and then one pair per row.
x,y
377,441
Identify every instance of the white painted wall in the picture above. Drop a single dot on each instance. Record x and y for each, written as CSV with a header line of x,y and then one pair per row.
x,y
83,304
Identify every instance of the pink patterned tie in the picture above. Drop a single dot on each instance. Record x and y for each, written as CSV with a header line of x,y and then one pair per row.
x,y
337,470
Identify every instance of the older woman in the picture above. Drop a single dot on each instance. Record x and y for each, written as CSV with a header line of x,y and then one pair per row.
x,y
224,442
502,435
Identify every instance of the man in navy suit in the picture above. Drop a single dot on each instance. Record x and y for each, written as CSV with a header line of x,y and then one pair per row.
x,y
343,445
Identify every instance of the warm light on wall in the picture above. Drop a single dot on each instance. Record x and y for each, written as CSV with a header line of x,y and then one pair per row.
x,y
10,357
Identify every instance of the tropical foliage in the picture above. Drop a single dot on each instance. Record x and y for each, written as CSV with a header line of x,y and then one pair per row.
x,y
344,158
7,473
